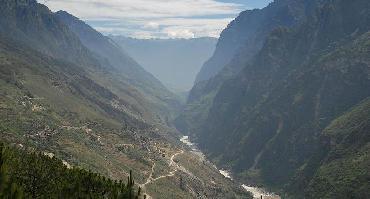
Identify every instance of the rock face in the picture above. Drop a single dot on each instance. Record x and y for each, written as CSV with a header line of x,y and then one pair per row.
x,y
266,121
238,44
244,36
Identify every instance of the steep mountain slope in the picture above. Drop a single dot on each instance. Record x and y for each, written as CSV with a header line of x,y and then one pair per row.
x,y
238,44
270,116
53,105
340,165
57,98
247,32
175,62
33,25
159,99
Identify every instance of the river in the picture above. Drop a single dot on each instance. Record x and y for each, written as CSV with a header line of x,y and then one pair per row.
x,y
256,191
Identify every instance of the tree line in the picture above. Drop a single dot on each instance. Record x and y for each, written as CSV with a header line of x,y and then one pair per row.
x,y
26,174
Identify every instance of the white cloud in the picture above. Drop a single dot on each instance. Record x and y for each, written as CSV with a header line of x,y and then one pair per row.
x,y
152,18
180,33
151,25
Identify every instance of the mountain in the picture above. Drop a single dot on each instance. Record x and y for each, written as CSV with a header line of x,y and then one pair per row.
x,y
173,61
51,101
160,99
269,123
245,35
238,44
34,26
94,110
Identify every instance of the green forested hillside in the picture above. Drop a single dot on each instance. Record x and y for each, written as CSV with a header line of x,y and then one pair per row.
x,y
33,175
340,166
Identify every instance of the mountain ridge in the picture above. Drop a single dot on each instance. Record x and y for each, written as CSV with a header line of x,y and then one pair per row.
x,y
162,100
269,117
246,36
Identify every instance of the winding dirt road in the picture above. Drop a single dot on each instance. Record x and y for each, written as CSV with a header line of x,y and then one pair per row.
x,y
170,174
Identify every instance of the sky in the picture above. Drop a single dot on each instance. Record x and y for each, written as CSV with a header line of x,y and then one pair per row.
x,y
157,18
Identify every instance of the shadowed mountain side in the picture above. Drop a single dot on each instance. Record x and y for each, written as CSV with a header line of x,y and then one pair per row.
x,y
270,116
238,44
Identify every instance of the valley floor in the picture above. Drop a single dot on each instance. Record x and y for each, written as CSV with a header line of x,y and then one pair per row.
x,y
187,174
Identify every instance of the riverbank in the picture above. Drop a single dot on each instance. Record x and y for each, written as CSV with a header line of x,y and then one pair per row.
x,y
257,192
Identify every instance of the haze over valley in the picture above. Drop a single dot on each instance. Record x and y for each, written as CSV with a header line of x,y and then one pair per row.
x,y
175,62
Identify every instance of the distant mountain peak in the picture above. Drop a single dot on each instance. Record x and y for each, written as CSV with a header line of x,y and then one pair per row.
x,y
66,14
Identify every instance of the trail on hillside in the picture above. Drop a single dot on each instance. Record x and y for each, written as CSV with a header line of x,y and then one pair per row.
x,y
170,174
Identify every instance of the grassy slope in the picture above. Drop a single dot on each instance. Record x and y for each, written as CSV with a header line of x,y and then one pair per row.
x,y
55,115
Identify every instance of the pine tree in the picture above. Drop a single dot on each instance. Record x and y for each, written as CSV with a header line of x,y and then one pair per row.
x,y
130,185
1,154
33,175
8,189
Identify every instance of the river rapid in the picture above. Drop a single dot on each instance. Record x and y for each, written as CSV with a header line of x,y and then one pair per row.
x,y
256,191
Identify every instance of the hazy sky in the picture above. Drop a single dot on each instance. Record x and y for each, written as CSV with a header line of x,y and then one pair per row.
x,y
157,18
